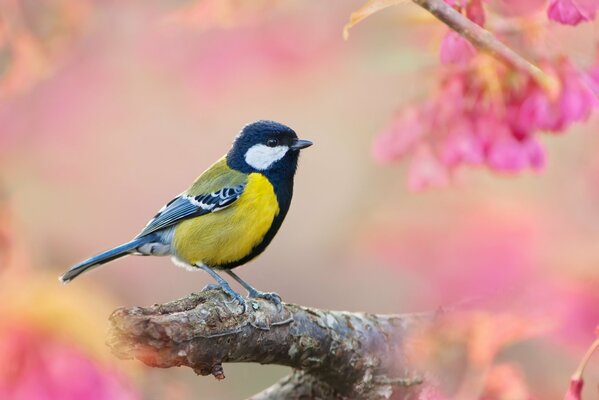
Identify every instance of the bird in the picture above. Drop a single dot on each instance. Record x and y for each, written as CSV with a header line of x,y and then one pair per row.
x,y
228,216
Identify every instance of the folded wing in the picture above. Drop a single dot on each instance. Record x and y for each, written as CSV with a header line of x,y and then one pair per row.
x,y
188,206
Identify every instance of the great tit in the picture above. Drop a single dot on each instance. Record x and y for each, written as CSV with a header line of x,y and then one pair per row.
x,y
228,216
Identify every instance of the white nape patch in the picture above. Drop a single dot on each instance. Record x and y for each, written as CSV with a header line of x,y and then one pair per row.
x,y
180,263
261,157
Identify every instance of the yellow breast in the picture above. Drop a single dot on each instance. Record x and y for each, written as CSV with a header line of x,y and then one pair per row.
x,y
230,234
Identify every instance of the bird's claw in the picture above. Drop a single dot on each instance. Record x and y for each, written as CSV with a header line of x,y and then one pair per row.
x,y
269,296
235,297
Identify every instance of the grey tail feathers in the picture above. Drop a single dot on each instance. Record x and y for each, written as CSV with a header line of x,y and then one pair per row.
x,y
103,258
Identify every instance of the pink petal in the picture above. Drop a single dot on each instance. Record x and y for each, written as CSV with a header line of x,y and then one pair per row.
x,y
569,13
457,3
535,111
476,12
462,146
426,170
510,155
587,7
399,137
455,49
575,390
577,98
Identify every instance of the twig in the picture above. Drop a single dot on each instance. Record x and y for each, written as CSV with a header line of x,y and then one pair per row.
x,y
486,41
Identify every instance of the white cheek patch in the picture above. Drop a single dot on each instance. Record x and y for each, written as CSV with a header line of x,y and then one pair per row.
x,y
261,157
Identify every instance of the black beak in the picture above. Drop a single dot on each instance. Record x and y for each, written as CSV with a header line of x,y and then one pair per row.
x,y
299,144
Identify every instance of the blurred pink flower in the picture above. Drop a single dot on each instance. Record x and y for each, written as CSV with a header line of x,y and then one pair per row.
x,y
506,381
37,366
574,390
576,382
399,137
218,60
457,3
509,154
593,75
455,49
572,12
462,145
485,116
473,9
425,170
431,392
476,12
488,252
475,337
534,109
577,98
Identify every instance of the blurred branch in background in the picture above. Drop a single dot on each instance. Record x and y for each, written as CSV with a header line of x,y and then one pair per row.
x,y
333,354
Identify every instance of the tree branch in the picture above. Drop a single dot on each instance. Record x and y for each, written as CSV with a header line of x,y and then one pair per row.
x,y
485,40
474,33
334,354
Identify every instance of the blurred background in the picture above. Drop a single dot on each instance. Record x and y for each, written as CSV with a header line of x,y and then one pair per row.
x,y
109,109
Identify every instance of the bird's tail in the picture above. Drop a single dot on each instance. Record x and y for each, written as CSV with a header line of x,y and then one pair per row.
x,y
103,258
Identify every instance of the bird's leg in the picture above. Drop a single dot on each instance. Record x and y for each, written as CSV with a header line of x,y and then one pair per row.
x,y
254,293
224,285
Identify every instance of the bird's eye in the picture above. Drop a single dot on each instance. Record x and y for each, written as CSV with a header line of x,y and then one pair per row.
x,y
272,142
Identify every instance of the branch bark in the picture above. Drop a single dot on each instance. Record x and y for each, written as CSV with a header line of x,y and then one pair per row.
x,y
334,355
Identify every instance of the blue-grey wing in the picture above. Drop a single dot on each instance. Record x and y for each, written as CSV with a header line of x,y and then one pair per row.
x,y
185,206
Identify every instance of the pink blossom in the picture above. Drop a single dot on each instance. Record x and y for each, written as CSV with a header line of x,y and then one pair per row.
x,y
572,12
455,49
426,170
531,111
533,108
593,77
497,252
473,8
509,154
468,123
38,366
462,145
457,3
575,389
476,12
576,382
396,140
577,98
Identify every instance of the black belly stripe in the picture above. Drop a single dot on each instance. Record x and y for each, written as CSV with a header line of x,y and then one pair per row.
x,y
283,187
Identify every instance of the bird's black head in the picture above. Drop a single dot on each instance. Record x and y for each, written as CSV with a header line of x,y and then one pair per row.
x,y
267,147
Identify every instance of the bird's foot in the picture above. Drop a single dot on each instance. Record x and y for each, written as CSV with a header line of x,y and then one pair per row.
x,y
270,296
235,297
